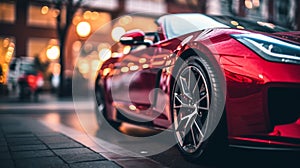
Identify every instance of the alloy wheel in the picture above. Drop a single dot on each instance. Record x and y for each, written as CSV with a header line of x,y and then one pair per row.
x,y
191,102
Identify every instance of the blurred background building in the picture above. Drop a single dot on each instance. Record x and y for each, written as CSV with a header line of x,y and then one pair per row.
x,y
29,27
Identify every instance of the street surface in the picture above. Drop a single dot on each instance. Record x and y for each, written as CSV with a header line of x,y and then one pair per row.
x,y
59,115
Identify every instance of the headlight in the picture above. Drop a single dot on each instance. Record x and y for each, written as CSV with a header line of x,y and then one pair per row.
x,y
270,48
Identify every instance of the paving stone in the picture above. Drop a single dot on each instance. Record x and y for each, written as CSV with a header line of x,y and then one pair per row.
x,y
32,154
95,164
19,135
56,139
3,148
46,134
3,143
15,130
33,142
27,147
43,162
4,155
73,158
17,139
64,145
7,163
61,152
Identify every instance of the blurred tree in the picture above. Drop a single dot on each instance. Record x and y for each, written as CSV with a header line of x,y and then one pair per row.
x,y
66,10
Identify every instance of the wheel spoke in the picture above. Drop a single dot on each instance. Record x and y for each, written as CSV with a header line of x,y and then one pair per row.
x,y
202,98
187,121
203,108
189,84
196,84
184,87
199,130
193,136
183,105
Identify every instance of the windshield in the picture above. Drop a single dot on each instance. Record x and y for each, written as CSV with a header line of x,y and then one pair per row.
x,y
179,24
235,22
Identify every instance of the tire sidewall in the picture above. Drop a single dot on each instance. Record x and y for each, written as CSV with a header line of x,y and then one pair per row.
x,y
216,86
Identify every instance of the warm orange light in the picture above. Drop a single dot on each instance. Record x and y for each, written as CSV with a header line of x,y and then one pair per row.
x,y
240,27
130,64
234,23
76,46
56,69
132,107
142,60
95,15
115,55
106,71
53,52
248,4
146,66
44,10
126,49
52,118
124,69
256,3
55,12
87,14
5,42
76,20
125,20
84,67
83,29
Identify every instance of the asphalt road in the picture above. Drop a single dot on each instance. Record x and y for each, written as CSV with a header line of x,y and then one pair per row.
x,y
62,112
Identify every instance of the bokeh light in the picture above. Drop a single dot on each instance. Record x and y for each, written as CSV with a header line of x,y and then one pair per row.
x,y
44,10
83,29
53,52
104,54
117,32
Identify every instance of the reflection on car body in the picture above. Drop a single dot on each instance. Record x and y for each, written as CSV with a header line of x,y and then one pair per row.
x,y
199,67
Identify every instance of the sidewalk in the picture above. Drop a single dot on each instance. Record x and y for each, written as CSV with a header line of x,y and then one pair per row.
x,y
25,143
30,143
44,97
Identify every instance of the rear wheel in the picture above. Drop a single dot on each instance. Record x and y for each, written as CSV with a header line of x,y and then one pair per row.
x,y
101,112
191,104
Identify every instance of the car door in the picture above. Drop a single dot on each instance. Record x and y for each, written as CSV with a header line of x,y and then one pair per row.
x,y
133,82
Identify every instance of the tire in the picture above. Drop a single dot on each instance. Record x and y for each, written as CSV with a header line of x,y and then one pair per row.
x,y
100,109
197,103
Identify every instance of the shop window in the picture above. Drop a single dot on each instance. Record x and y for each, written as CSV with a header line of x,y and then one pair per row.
x,y
45,48
7,12
42,16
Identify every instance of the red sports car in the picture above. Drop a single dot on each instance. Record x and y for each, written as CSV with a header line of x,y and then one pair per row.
x,y
213,80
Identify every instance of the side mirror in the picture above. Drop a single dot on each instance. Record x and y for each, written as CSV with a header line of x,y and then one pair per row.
x,y
135,37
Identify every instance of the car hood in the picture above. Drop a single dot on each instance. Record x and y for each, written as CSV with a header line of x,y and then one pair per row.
x,y
293,36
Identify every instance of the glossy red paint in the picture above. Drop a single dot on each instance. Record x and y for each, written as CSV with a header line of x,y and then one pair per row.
x,y
250,81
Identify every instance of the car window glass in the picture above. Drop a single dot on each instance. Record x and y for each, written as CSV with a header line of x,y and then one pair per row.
x,y
177,25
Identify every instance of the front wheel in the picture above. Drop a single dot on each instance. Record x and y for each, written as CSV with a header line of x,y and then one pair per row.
x,y
195,110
